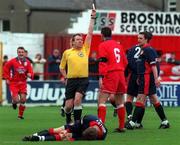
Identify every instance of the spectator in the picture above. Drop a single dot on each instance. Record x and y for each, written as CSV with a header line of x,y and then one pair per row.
x,y
26,55
93,66
172,59
5,59
38,66
53,65
169,67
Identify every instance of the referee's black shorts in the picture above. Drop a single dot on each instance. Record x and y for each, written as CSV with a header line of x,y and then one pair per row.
x,y
76,85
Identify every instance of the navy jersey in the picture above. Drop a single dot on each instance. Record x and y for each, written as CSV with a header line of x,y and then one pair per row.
x,y
132,56
148,57
87,121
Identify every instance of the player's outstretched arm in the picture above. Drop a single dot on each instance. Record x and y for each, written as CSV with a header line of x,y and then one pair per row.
x,y
91,27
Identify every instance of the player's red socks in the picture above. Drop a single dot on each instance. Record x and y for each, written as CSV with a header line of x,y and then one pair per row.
x,y
121,115
157,104
57,137
51,131
21,110
102,112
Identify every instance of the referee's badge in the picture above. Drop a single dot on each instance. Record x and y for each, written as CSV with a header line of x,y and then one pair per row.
x,y
80,54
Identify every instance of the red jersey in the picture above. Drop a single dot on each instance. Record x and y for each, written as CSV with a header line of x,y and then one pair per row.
x,y
113,52
15,70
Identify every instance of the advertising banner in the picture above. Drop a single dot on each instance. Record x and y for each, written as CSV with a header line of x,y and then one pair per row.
x,y
52,93
132,22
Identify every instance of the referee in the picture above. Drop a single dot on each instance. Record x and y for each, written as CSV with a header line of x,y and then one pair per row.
x,y
76,75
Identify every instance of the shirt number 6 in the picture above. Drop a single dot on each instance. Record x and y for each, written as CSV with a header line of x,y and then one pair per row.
x,y
117,54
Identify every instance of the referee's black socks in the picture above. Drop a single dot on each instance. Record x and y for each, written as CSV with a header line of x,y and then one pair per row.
x,y
77,113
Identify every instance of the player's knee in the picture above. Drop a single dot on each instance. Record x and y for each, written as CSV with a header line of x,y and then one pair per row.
x,y
23,100
15,99
102,99
77,102
141,98
154,99
101,105
111,98
140,101
68,109
129,98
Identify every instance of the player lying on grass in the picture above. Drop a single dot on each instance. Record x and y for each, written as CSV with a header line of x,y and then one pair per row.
x,y
89,128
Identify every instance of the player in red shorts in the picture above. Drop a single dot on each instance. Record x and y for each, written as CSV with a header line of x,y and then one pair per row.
x,y
112,80
16,71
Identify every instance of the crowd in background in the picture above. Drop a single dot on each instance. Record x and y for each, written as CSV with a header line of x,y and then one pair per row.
x,y
48,69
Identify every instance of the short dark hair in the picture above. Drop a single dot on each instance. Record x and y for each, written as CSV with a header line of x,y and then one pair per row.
x,y
147,35
106,32
5,57
90,134
22,48
77,34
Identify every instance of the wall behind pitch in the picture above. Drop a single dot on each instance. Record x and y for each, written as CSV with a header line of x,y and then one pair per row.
x,y
33,43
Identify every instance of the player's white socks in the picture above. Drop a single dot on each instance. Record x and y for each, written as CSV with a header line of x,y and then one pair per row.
x,y
132,123
137,125
129,117
165,122
78,107
35,134
41,138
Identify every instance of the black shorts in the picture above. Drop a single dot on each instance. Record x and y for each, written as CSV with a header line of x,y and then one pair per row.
x,y
76,85
146,84
132,85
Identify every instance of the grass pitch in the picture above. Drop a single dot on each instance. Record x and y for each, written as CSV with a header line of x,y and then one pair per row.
x,y
37,118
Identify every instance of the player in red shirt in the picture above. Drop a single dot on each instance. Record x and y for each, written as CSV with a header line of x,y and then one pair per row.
x,y
16,71
112,80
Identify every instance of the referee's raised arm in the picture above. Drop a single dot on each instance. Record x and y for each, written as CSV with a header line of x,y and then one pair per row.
x,y
88,38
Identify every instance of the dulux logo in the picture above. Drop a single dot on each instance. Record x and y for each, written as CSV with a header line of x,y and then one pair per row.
x,y
48,92
45,93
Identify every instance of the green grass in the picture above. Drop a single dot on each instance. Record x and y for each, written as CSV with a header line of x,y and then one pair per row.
x,y
37,118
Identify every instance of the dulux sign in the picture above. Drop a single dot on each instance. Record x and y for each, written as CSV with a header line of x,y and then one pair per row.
x,y
53,92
